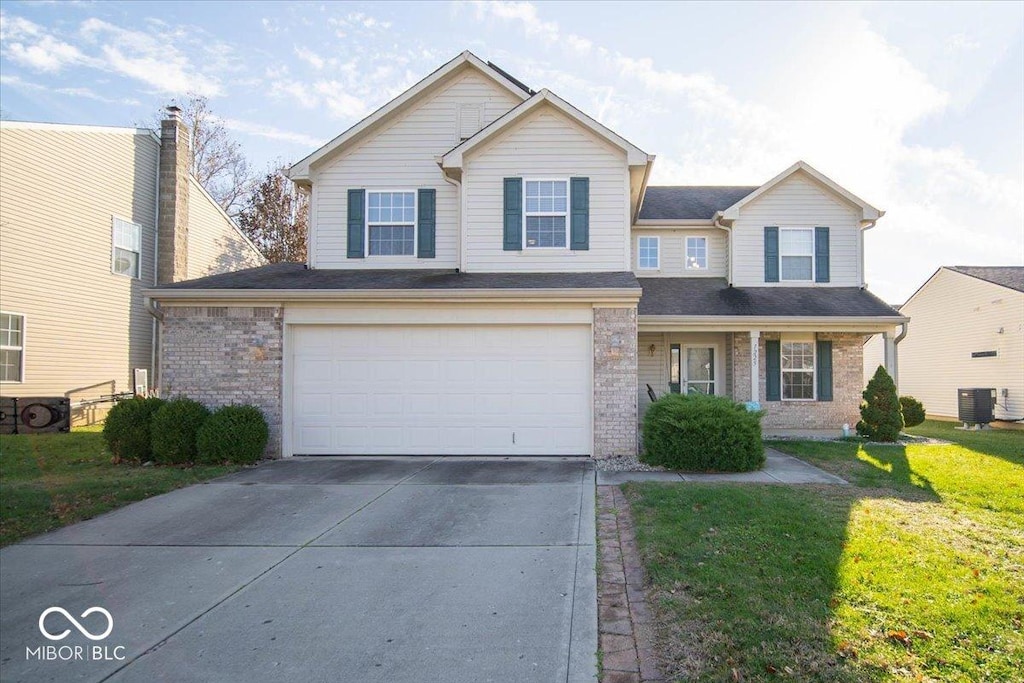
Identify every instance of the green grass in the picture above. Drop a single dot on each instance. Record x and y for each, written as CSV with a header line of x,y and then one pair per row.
x,y
915,572
50,480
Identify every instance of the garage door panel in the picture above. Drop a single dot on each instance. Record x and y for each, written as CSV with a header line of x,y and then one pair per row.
x,y
441,390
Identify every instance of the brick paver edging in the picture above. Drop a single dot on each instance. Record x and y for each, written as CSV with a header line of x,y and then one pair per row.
x,y
624,619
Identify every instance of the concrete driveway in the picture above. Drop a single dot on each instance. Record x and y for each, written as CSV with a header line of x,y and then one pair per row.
x,y
320,569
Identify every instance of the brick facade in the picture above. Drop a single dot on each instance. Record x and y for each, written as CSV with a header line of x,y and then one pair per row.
x,y
847,381
615,381
220,355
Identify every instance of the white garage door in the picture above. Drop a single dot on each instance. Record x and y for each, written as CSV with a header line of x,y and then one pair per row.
x,y
451,390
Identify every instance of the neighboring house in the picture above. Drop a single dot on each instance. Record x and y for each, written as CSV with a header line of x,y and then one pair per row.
x,y
966,331
489,273
82,209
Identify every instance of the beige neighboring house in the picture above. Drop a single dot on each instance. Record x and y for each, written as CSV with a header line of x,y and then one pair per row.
x,y
489,273
89,217
966,331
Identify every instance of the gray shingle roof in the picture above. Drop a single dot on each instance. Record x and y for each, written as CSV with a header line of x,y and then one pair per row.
x,y
1006,276
690,201
296,276
714,297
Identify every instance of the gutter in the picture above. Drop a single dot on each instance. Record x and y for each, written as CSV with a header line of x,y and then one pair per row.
x,y
896,353
716,221
631,294
152,308
733,323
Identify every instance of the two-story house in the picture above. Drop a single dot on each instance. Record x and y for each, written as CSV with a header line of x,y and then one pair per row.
x,y
89,217
489,273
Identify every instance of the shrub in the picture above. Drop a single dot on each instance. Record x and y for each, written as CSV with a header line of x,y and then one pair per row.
x,y
700,433
175,427
880,416
913,411
127,428
235,434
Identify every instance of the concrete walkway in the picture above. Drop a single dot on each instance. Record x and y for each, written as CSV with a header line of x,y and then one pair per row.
x,y
373,569
779,468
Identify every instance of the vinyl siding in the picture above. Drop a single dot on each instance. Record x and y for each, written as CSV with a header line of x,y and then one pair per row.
x,y
214,243
547,145
951,317
874,355
797,202
86,327
673,252
402,156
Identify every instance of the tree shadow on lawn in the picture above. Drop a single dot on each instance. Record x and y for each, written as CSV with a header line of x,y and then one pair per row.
x,y
745,579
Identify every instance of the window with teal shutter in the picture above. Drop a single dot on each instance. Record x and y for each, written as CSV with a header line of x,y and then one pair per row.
x,y
513,215
426,224
356,223
821,255
773,370
771,254
579,196
824,370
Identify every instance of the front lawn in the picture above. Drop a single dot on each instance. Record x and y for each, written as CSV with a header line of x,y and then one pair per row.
x,y
915,572
50,480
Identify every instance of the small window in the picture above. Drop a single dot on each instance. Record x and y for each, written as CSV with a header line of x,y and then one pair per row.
x,y
647,253
127,253
12,347
391,223
469,120
797,370
546,213
696,253
796,255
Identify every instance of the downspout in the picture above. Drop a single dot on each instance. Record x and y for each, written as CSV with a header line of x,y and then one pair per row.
x,y
717,222
896,353
458,218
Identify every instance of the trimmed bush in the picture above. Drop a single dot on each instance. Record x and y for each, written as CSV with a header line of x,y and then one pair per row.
x,y
175,427
913,411
127,428
699,433
236,434
880,416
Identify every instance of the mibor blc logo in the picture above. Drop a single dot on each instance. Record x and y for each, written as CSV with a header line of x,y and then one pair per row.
x,y
66,653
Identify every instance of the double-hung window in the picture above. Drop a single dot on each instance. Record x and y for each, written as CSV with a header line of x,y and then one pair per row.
x,y
126,258
647,253
796,254
546,211
391,223
696,253
797,370
12,347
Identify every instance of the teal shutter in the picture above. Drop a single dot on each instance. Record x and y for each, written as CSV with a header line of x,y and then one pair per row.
x,y
356,223
824,361
513,240
773,370
821,273
426,207
771,254
579,193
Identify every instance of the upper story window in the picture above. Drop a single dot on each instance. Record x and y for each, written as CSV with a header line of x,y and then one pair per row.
x,y
391,223
797,370
546,213
12,347
648,256
796,254
696,253
126,257
469,120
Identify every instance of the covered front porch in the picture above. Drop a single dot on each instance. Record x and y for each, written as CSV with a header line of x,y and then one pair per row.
x,y
804,377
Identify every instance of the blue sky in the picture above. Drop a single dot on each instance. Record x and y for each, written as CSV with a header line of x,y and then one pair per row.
x,y
918,108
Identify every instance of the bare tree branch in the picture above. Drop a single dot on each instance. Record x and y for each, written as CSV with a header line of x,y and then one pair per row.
x,y
275,218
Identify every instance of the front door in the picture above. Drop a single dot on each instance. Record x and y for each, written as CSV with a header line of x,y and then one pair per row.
x,y
692,369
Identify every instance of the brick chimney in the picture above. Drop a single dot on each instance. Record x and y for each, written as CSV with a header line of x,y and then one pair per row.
x,y
172,228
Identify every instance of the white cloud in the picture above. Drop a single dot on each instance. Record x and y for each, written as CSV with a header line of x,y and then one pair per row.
x,y
87,93
147,58
310,57
526,13
337,98
268,132
26,43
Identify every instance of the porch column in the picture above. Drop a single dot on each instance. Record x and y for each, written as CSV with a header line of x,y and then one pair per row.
x,y
755,366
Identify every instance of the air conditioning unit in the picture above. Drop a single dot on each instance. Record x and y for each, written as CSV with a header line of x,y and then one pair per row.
x,y
975,406
8,415
141,381
49,414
